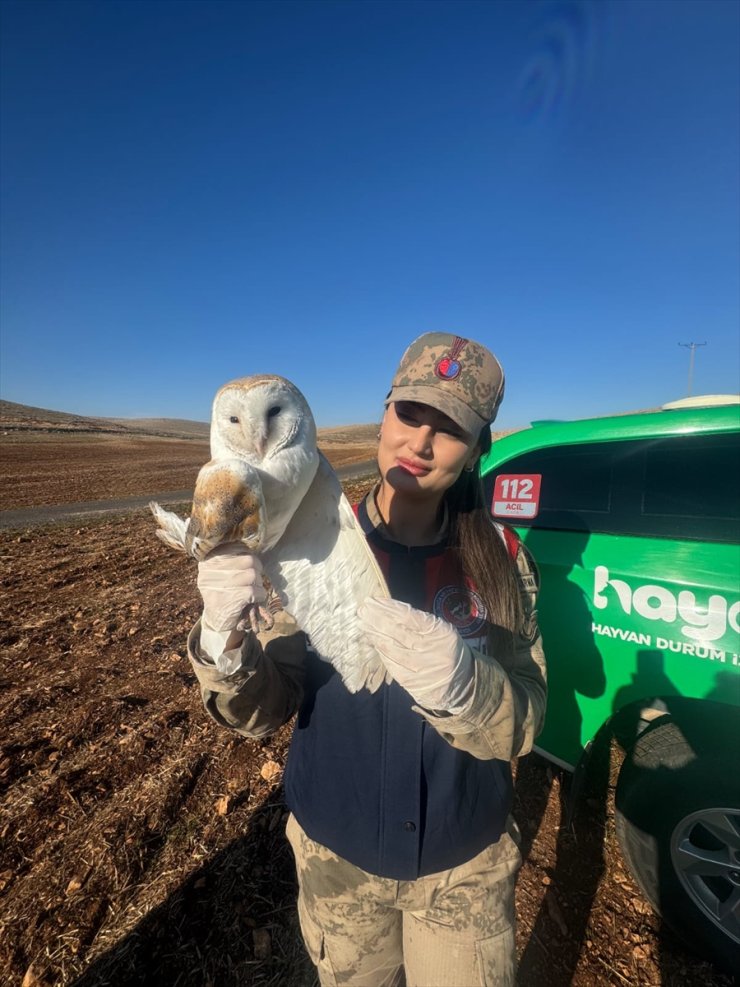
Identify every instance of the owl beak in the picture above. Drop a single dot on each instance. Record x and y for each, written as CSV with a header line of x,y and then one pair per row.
x,y
258,440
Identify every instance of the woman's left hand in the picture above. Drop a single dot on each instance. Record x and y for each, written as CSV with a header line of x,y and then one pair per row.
x,y
424,654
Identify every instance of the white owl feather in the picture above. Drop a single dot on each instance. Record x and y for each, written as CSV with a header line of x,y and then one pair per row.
x,y
323,569
268,486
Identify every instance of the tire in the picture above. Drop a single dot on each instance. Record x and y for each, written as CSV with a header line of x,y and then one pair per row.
x,y
678,826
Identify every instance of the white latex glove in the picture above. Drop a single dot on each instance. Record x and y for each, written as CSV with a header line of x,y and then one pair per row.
x,y
424,654
230,580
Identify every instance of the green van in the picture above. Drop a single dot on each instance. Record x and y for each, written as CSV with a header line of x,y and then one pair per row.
x,y
634,521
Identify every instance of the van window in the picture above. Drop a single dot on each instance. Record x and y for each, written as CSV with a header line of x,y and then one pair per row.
x,y
686,478
577,485
682,486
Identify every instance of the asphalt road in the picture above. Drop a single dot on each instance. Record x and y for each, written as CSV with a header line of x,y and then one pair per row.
x,y
27,516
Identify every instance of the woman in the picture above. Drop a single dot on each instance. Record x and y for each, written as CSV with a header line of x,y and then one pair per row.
x,y
400,800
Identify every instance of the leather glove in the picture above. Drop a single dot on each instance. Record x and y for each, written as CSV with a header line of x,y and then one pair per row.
x,y
230,582
424,654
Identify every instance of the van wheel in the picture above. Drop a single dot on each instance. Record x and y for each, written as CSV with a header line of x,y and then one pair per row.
x,y
678,825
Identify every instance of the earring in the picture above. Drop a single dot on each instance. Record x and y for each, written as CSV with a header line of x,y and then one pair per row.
x,y
379,434
469,469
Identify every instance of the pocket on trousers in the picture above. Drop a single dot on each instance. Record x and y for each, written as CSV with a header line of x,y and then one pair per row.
x,y
497,959
313,937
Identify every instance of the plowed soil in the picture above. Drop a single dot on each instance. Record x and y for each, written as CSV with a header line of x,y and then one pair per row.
x,y
41,468
142,844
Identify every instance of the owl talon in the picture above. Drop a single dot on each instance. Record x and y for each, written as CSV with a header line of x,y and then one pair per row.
x,y
266,618
255,619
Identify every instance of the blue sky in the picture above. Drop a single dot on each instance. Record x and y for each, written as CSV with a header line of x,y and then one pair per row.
x,y
197,191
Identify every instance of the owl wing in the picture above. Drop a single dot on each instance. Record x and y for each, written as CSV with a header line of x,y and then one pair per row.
x,y
323,568
228,505
171,529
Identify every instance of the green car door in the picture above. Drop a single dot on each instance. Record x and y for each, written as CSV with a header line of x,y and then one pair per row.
x,y
636,538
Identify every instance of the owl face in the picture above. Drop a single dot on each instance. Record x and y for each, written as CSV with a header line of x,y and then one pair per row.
x,y
258,418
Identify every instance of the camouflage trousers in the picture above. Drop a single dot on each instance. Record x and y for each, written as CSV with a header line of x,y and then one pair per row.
x,y
451,929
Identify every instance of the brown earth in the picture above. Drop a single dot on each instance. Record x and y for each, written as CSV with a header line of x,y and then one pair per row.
x,y
142,844
40,468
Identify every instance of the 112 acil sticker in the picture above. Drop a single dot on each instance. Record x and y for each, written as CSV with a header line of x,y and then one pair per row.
x,y
516,495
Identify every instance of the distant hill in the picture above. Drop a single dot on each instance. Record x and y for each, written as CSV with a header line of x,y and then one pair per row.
x,y
182,428
24,418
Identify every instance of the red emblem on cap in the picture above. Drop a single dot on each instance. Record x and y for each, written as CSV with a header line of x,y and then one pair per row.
x,y
448,366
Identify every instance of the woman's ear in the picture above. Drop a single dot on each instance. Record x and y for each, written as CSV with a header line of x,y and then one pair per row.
x,y
472,460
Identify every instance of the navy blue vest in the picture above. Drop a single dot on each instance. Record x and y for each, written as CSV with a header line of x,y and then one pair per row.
x,y
368,777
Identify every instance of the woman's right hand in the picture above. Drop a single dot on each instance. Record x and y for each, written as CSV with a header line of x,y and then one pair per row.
x,y
229,580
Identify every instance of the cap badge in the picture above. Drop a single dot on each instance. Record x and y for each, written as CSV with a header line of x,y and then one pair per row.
x,y
448,367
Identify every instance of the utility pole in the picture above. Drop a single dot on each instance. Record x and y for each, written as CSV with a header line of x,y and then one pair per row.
x,y
692,347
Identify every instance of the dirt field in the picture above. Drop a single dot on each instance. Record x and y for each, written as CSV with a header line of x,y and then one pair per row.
x,y
47,468
142,844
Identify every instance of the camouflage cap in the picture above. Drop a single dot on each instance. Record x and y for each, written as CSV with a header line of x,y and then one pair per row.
x,y
454,375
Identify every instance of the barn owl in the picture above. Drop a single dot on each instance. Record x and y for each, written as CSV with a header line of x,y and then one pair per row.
x,y
268,486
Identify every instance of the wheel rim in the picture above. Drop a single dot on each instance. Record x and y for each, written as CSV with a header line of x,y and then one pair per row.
x,y
705,850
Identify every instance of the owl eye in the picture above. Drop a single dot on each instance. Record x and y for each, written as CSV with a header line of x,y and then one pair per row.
x,y
234,420
274,410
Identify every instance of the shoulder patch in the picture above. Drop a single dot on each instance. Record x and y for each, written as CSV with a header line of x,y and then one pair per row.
x,y
529,582
531,575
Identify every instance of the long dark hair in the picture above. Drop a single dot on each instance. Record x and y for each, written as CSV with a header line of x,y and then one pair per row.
x,y
482,555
